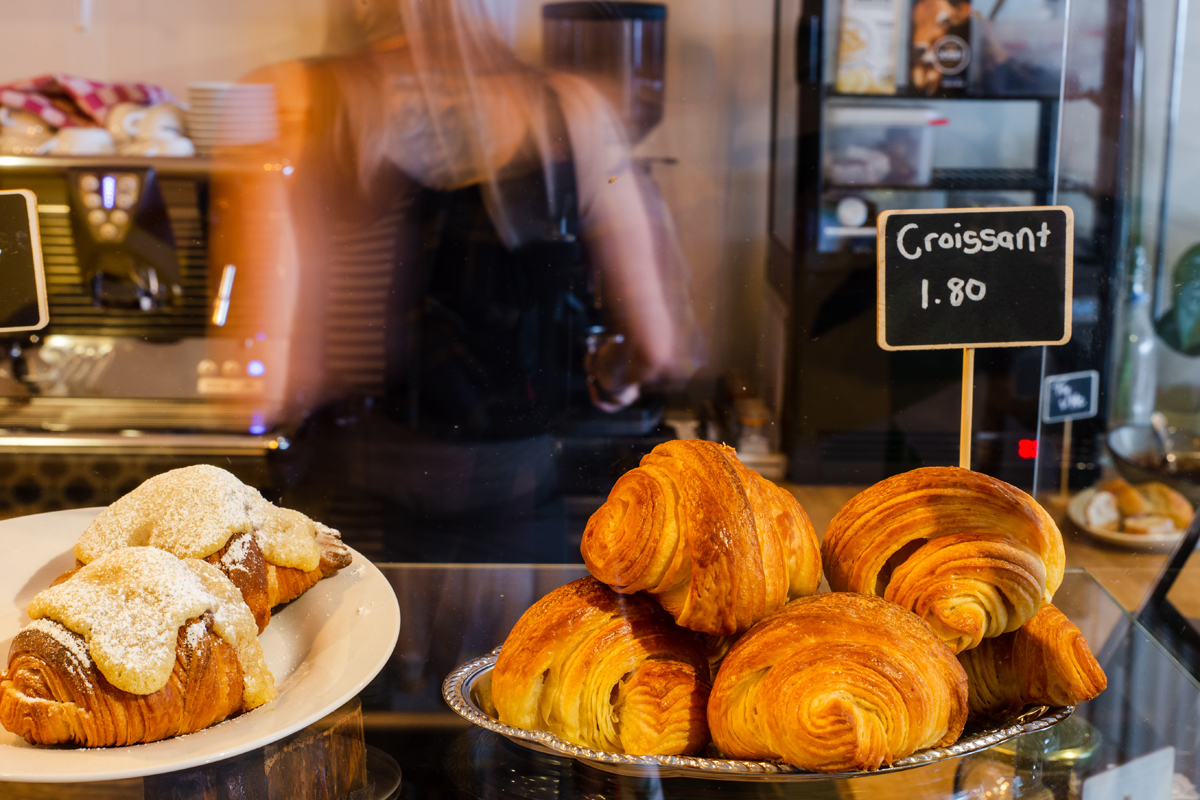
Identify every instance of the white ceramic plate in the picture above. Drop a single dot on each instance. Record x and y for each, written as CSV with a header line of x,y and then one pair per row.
x,y
1133,541
322,648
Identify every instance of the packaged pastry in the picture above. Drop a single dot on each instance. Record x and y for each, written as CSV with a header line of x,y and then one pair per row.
x,y
867,46
136,646
941,49
273,555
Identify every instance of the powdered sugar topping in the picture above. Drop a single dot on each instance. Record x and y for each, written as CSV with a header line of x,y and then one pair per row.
x,y
287,537
129,606
190,512
64,637
235,556
195,633
193,512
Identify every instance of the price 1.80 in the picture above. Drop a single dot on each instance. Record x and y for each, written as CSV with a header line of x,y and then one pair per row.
x,y
959,290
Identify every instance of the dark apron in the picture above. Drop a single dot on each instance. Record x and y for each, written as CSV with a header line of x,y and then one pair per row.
x,y
460,451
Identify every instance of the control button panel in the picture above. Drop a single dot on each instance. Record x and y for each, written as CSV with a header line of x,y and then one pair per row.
x,y
109,198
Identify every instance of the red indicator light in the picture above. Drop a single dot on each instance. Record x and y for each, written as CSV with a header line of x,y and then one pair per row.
x,y
1027,448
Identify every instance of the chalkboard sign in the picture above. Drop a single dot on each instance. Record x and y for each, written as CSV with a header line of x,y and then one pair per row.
x,y
1072,395
975,277
22,280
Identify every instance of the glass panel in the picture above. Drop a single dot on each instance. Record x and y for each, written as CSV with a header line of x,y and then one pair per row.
x,y
439,273
786,105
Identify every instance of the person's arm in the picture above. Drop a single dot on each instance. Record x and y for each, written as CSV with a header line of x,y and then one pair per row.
x,y
619,229
251,230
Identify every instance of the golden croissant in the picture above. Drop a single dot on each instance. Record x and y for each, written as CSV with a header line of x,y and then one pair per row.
x,y
272,554
1046,661
717,545
135,647
971,555
605,671
837,682
53,697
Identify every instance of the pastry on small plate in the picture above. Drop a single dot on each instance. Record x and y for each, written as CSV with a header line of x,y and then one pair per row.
x,y
1129,500
1149,524
1167,502
1101,511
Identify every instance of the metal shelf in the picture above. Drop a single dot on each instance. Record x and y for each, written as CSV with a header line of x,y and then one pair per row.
x,y
967,180
832,94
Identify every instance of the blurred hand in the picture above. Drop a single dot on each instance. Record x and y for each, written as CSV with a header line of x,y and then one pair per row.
x,y
607,369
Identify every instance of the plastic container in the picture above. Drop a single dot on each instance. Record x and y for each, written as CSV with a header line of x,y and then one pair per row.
x,y
880,145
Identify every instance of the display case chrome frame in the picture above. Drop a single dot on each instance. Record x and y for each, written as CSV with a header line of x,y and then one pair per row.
x,y
1176,633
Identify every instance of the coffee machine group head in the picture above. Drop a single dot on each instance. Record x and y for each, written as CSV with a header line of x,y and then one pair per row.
x,y
123,238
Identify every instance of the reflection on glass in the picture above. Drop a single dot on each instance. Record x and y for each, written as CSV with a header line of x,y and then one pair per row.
x,y
464,265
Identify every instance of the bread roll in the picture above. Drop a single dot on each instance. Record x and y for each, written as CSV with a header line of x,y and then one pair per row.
x,y
1144,524
1129,500
1101,511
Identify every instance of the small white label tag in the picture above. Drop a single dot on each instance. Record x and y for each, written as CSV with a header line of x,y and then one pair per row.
x,y
1147,777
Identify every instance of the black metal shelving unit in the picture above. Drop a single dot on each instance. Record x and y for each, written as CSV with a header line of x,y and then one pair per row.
x,y
855,413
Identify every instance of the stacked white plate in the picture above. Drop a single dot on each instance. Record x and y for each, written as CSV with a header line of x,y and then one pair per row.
x,y
231,114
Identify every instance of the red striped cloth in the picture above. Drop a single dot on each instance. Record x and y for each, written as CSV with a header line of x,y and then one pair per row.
x,y
67,101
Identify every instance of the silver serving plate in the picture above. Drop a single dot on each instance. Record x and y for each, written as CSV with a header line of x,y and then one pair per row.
x,y
468,690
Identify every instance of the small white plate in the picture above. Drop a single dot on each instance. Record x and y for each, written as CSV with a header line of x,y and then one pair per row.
x,y
322,648
1133,541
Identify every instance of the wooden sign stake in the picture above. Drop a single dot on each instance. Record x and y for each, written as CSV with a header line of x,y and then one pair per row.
x,y
1066,457
968,398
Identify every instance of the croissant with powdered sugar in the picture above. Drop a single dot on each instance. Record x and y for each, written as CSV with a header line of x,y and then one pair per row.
x,y
135,647
272,554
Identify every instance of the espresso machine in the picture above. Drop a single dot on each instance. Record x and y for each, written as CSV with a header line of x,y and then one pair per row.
x,y
131,377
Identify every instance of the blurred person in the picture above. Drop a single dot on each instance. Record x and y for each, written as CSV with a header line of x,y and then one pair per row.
x,y
435,234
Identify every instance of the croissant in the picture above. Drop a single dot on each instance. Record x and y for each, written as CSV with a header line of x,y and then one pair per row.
x,y
1164,500
1129,500
137,646
272,554
1046,661
971,555
605,671
837,682
716,544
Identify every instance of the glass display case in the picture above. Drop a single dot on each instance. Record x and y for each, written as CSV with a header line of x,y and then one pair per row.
x,y
441,274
